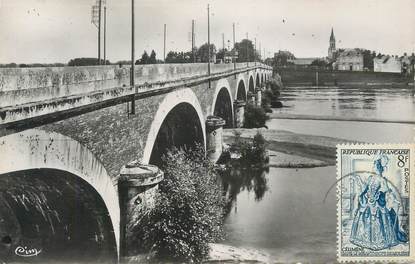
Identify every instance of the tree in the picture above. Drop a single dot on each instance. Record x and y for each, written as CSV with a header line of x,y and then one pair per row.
x,y
153,59
368,59
86,62
189,209
319,63
203,52
175,57
246,51
144,59
221,55
282,58
255,116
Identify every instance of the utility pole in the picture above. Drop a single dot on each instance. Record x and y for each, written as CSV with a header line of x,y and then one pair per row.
x,y
105,35
255,52
99,31
260,52
193,40
223,41
164,45
132,79
234,50
247,55
208,42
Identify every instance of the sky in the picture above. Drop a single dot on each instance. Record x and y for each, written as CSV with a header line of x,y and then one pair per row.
x,y
47,31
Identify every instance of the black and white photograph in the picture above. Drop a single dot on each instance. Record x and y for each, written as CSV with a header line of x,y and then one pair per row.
x,y
207,131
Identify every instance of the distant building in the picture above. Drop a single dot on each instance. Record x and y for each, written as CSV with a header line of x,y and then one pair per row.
x,y
387,64
349,60
344,59
332,46
302,62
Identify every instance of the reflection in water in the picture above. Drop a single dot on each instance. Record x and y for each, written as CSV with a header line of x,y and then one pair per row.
x,y
292,222
238,178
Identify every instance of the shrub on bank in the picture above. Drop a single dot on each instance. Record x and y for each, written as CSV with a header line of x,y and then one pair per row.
x,y
189,208
271,95
267,98
252,152
254,116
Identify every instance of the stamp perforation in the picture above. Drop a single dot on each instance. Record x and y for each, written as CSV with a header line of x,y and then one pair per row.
x,y
371,252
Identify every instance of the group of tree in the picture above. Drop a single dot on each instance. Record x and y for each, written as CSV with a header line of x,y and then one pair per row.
x,y
245,51
282,58
145,59
201,55
87,62
30,65
320,63
179,57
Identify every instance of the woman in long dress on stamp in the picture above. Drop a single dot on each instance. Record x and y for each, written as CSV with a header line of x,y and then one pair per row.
x,y
374,225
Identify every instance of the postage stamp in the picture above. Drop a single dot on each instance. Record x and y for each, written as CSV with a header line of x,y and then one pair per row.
x,y
375,198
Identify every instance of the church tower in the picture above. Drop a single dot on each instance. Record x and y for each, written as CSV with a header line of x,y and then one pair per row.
x,y
332,46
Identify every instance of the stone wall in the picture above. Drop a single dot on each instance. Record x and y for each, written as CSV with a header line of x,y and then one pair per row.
x,y
343,78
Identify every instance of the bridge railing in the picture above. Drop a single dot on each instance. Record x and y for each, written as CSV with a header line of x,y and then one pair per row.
x,y
27,85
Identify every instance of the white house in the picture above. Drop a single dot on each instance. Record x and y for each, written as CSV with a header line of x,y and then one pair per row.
x,y
387,64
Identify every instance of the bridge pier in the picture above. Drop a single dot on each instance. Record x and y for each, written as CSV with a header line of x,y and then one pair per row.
x,y
251,98
137,186
214,129
259,96
239,108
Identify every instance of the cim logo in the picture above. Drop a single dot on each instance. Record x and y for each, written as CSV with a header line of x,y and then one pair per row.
x,y
27,252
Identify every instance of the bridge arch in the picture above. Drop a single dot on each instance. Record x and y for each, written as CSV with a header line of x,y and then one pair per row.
x,y
240,93
222,105
251,84
178,121
60,167
257,81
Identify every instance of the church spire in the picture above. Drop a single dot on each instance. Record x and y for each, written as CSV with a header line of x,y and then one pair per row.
x,y
332,45
332,35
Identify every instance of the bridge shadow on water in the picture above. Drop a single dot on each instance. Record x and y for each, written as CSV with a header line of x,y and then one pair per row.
x,y
52,216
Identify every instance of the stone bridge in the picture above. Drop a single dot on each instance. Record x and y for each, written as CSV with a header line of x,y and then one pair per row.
x,y
67,133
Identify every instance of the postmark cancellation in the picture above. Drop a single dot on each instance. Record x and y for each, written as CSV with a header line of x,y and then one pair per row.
x,y
375,193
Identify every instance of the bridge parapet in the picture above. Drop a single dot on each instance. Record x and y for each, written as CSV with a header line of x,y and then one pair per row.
x,y
29,92
26,85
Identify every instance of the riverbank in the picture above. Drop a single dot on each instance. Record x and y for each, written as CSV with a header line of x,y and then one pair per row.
x,y
219,253
338,118
293,150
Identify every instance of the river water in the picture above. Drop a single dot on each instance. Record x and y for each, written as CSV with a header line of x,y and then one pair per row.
x,y
291,220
